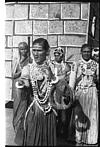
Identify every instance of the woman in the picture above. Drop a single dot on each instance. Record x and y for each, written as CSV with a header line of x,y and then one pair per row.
x,y
63,69
19,63
22,60
40,118
37,126
18,94
84,75
62,72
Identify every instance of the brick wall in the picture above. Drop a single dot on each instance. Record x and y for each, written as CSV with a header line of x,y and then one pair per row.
x,y
62,23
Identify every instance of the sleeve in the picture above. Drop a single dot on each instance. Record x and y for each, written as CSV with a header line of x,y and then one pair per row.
x,y
72,77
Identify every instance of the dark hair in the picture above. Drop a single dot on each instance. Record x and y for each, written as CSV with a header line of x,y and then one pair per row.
x,y
85,46
43,42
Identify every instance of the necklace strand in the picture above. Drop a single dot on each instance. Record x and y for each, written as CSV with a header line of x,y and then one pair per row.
x,y
37,94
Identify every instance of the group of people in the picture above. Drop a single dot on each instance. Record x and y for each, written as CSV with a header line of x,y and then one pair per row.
x,y
54,99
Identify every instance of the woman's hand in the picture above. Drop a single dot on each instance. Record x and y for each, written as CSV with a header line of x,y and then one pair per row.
x,y
20,84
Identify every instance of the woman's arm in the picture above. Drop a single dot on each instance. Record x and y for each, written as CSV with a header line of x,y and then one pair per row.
x,y
24,79
16,70
72,77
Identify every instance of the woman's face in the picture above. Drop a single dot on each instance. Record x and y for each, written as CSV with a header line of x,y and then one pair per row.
x,y
23,50
39,53
58,58
86,53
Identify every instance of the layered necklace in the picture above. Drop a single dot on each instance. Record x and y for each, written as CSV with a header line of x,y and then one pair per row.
x,y
41,93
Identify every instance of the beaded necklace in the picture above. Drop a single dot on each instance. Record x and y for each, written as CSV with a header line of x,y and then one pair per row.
x,y
41,96
45,89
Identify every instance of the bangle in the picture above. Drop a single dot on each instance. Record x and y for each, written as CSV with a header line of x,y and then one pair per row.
x,y
19,86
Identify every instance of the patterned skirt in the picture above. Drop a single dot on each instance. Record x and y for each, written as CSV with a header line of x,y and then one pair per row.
x,y
89,103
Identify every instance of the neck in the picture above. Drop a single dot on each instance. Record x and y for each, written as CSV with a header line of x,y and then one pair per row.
x,y
86,60
40,64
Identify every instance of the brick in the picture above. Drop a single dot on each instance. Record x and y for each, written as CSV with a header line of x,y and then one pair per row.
x,y
54,11
75,27
18,39
23,27
39,36
84,10
9,41
8,54
39,11
74,51
21,11
9,28
71,40
55,27
52,40
70,11
76,57
40,28
9,12
8,69
8,89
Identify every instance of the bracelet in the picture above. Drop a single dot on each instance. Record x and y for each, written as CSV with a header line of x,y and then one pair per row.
x,y
19,86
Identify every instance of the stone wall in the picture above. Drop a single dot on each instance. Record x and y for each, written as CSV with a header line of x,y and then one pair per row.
x,y
61,23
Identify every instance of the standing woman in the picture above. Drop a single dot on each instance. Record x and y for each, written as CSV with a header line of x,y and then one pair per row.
x,y
18,64
84,76
19,106
40,117
63,71
22,60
